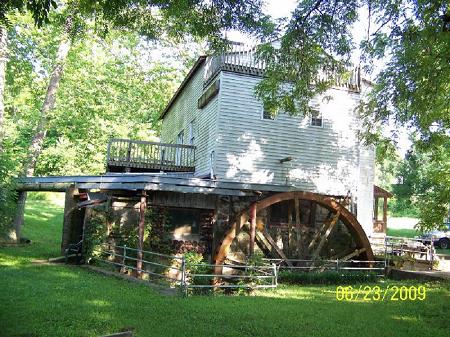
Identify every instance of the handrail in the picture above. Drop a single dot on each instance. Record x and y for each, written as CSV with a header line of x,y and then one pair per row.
x,y
244,59
142,156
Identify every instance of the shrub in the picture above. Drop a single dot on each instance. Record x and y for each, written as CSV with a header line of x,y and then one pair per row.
x,y
195,264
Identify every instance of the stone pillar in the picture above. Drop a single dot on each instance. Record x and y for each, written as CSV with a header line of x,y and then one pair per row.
x,y
73,220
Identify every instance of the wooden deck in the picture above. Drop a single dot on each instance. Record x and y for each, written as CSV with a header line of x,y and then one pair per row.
x,y
125,155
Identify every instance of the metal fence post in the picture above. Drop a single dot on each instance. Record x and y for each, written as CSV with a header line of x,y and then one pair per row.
x,y
431,253
275,275
124,256
183,276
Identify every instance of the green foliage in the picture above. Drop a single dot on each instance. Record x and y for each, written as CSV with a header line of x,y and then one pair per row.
x,y
107,90
157,231
310,43
7,194
95,231
39,9
326,277
412,89
195,264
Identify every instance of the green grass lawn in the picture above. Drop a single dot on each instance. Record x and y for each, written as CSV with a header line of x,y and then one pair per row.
x,y
402,232
58,300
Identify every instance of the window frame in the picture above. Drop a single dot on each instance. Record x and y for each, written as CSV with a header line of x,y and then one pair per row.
x,y
313,119
263,111
191,133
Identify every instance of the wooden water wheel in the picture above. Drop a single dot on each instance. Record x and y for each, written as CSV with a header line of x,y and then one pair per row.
x,y
296,225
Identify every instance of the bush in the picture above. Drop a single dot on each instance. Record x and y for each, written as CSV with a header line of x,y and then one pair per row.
x,y
326,277
195,264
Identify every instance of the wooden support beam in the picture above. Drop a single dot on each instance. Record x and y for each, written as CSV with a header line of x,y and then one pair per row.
x,y
73,220
264,245
385,214
312,214
290,229
141,226
272,242
375,211
252,229
297,225
326,235
356,252
319,232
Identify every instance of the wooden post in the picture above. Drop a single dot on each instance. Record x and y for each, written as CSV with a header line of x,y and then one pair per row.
x,y
142,208
385,214
375,211
73,220
297,225
252,229
312,214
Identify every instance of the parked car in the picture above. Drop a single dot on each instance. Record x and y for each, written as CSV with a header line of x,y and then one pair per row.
x,y
441,238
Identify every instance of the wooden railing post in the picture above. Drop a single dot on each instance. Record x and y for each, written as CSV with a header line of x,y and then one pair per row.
x,y
252,229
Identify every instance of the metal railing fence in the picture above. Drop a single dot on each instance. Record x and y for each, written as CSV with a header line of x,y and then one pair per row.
x,y
179,272
302,265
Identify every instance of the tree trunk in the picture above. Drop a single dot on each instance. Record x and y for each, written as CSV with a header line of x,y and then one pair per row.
x,y
37,141
3,58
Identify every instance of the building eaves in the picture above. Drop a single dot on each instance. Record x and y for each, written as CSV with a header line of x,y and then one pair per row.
x,y
186,80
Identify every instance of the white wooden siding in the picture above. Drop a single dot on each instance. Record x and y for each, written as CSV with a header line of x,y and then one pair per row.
x,y
248,148
326,159
180,115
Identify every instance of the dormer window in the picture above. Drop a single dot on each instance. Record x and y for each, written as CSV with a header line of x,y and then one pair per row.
x,y
316,118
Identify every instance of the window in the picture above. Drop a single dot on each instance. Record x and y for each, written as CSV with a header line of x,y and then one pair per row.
x,y
178,159
316,118
180,137
266,114
192,132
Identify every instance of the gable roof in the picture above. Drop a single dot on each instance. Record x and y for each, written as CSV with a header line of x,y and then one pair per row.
x,y
186,80
381,192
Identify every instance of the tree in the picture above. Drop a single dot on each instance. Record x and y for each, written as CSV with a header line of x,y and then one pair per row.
x,y
175,19
3,56
35,147
412,89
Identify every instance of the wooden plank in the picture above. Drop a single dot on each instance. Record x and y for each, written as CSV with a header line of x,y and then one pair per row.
x,y
297,225
289,216
156,178
263,244
356,252
252,229
316,236
272,242
163,187
325,236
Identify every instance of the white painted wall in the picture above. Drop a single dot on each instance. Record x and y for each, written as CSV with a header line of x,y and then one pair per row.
x,y
180,115
327,160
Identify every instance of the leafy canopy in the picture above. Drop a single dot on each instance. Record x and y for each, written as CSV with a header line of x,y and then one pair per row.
x,y
412,89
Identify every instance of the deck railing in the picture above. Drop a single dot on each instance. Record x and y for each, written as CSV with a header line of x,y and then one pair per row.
x,y
142,156
243,59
